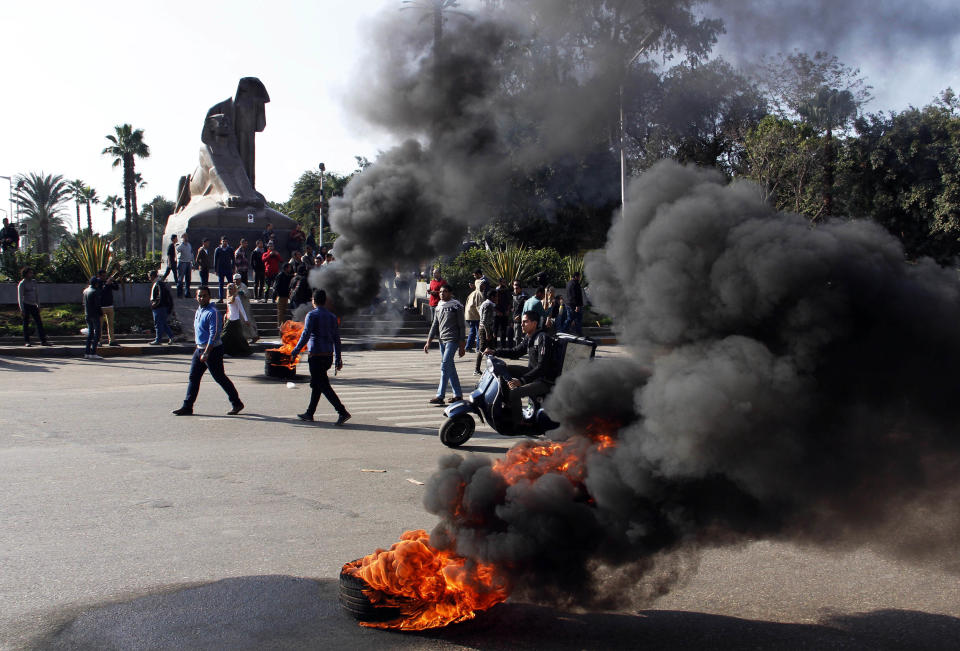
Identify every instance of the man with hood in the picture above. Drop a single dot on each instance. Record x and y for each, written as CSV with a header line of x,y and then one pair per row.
x,y
450,327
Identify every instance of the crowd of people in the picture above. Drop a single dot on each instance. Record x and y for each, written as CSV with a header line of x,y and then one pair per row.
x,y
501,319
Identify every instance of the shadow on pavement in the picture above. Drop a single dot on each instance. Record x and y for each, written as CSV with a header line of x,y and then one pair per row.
x,y
284,612
8,364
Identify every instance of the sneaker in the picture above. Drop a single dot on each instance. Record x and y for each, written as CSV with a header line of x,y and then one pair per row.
x,y
155,343
477,373
344,417
28,344
455,399
115,344
183,411
437,400
86,355
237,408
306,417
170,341
95,356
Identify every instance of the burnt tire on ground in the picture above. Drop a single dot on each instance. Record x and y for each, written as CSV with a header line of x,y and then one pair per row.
x,y
457,430
358,606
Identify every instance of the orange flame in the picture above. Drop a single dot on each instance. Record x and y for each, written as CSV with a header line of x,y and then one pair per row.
x,y
433,587
289,334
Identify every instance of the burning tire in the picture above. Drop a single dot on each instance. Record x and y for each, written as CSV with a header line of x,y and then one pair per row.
x,y
358,605
457,431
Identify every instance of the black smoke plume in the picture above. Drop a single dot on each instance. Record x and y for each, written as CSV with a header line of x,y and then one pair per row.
x,y
790,383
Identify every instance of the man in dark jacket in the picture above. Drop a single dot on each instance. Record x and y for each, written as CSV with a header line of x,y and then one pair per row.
x,y
321,337
224,264
281,291
204,260
161,303
93,314
172,260
537,377
519,298
574,303
502,316
106,304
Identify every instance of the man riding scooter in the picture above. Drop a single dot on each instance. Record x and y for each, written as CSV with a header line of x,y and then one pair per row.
x,y
537,377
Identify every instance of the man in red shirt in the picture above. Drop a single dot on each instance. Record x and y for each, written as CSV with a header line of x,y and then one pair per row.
x,y
434,292
271,267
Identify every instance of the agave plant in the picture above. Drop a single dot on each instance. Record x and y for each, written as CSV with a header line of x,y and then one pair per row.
x,y
573,263
92,253
507,264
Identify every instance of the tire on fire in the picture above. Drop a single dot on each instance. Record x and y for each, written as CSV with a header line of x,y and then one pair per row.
x,y
358,606
457,431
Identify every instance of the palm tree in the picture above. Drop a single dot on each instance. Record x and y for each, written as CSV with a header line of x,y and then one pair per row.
x,y
40,199
138,184
126,145
111,203
90,197
830,109
77,188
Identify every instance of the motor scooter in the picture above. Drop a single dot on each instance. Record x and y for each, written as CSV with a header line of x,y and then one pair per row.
x,y
491,403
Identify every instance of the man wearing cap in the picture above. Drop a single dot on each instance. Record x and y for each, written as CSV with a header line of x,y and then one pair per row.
x,y
208,354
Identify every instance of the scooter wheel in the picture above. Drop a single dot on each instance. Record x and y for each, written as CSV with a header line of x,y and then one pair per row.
x,y
457,431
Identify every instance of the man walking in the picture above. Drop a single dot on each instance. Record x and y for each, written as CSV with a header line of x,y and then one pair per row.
x,y
93,314
450,327
161,303
321,336
208,354
574,303
184,267
172,260
223,262
29,302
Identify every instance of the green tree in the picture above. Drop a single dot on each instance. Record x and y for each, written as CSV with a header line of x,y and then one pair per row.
x,y
90,197
790,81
903,169
41,199
126,145
437,11
781,155
77,188
305,203
112,203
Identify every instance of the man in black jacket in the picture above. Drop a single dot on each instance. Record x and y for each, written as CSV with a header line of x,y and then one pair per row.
x,y
574,302
161,303
537,377
519,298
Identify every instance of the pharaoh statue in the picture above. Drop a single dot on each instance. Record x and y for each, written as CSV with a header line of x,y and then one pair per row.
x,y
220,198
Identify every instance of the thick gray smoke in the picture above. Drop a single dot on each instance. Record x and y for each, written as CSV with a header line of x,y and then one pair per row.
x,y
791,383
855,30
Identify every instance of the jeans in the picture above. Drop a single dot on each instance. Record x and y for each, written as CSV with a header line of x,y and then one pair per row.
x,y
575,323
486,340
183,279
320,384
472,329
204,277
160,325
259,284
93,336
32,312
448,370
221,276
500,331
215,364
171,266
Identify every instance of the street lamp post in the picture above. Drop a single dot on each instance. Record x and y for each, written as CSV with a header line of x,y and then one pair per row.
x,y
323,168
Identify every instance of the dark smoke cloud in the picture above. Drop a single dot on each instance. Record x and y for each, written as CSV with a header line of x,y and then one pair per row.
x,y
858,31
791,383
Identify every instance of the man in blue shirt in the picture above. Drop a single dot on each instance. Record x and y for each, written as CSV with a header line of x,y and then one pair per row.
x,y
208,354
535,303
321,336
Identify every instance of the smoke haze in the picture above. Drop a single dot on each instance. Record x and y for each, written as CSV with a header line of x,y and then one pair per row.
x,y
791,383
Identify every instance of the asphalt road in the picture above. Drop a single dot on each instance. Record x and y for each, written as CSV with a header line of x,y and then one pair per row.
x,y
125,527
